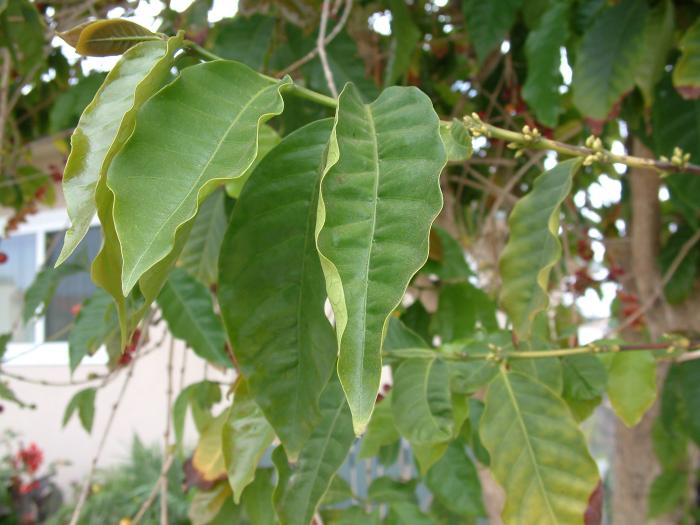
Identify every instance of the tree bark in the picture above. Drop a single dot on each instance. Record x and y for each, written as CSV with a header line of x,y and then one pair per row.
x,y
635,465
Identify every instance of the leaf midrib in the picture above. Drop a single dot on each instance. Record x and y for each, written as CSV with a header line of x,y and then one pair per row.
x,y
526,440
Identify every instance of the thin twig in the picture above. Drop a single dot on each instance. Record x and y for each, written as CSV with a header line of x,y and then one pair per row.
x,y
530,141
321,46
167,452
93,465
331,36
670,272
4,90
154,491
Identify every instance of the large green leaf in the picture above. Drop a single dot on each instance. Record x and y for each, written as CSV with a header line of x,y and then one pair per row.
x,y
488,23
405,36
188,308
668,493
680,286
658,41
257,499
543,53
200,256
455,483
533,247
379,195
206,505
381,430
547,371
104,126
84,403
95,322
245,437
538,454
322,455
421,400
212,112
585,377
271,287
200,397
632,385
686,73
462,310
689,392
608,58
246,39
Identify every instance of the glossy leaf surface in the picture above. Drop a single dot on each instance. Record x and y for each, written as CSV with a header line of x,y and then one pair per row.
x,y
213,111
533,247
245,437
538,454
271,287
188,308
379,195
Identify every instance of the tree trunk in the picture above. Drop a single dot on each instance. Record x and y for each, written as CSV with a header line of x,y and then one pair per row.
x,y
635,465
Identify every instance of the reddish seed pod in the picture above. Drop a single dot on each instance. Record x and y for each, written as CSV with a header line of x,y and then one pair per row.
x,y
75,309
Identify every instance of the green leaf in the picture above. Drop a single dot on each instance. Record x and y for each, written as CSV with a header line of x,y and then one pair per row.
x,y
188,308
95,322
538,454
455,483
104,126
632,385
686,73
427,454
381,430
208,458
407,512
245,438
387,490
405,36
462,310
338,491
680,286
271,288
667,493
321,457
399,336
689,390
257,499
201,397
543,54
585,377
246,39
206,505
214,111
22,33
267,139
106,37
533,247
200,256
547,371
70,104
476,410
7,393
676,122
658,41
421,401
379,195
4,339
607,61
84,403
457,141
488,23
41,291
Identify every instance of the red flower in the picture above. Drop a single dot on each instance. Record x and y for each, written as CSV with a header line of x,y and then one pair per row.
x,y
26,488
31,457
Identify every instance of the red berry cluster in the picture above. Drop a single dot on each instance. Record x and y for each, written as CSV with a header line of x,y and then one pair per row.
x,y
30,458
630,308
583,247
130,349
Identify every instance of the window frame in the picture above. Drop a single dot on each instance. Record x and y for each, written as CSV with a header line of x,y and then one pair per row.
x,y
40,352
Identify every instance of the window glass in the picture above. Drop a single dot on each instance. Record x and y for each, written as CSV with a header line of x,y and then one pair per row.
x,y
16,274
